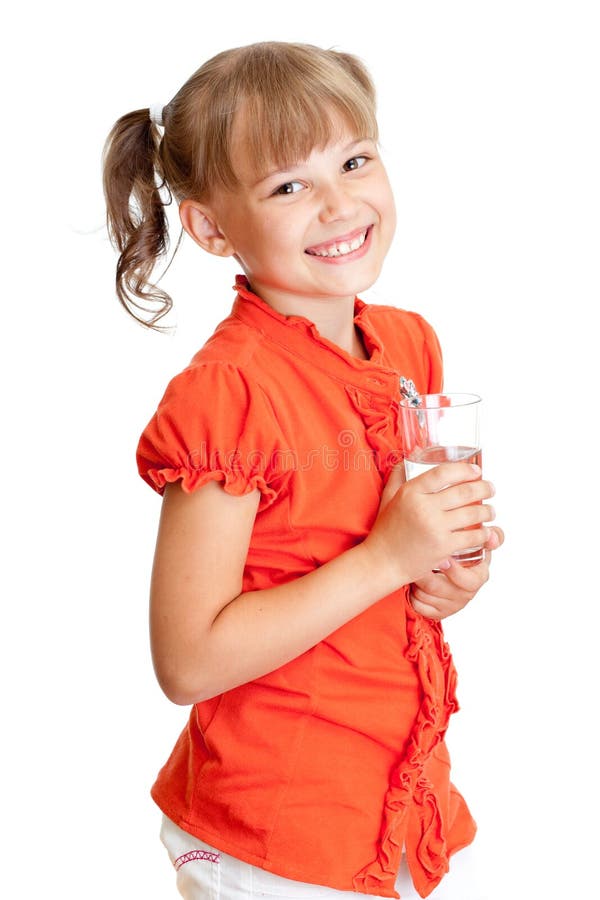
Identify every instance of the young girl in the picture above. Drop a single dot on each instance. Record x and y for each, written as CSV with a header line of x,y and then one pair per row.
x,y
293,602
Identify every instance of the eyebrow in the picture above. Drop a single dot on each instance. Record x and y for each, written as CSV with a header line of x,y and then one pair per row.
x,y
281,172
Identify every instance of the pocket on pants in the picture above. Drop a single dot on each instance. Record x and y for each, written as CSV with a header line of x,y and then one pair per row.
x,y
196,864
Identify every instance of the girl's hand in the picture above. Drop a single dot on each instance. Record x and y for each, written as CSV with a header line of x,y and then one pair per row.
x,y
442,594
421,522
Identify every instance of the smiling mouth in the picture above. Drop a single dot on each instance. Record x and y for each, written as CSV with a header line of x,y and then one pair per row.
x,y
340,247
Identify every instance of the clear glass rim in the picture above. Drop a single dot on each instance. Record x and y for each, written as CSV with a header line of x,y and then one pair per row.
x,y
456,400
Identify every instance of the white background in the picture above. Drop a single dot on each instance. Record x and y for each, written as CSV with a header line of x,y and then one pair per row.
x,y
489,126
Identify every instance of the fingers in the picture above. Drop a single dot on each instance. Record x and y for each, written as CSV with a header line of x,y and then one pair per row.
x,y
468,527
448,474
437,598
438,595
468,578
466,493
496,538
467,539
458,484
468,516
490,538
427,609
423,521
462,578
456,579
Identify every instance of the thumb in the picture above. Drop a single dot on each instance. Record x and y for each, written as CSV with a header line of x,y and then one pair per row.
x,y
395,479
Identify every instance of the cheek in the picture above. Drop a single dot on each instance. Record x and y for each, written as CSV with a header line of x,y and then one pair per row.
x,y
388,209
389,195
265,231
392,215
385,206
281,234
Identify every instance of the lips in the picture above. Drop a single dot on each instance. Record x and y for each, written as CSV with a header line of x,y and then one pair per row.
x,y
341,246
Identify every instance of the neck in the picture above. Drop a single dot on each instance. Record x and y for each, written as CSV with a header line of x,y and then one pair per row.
x,y
336,324
333,318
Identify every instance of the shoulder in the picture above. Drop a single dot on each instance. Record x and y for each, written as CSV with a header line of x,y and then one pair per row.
x,y
211,398
409,344
400,328
233,343
226,364
396,321
212,423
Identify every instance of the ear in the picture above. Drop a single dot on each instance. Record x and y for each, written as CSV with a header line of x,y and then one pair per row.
x,y
200,223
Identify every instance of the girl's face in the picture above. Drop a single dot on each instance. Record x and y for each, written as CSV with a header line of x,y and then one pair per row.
x,y
319,230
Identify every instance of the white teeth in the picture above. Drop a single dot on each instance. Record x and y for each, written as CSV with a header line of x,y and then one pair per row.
x,y
342,248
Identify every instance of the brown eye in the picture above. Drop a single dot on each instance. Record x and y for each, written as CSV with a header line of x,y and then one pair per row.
x,y
290,187
355,163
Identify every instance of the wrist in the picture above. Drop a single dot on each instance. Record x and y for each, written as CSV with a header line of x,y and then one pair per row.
x,y
386,571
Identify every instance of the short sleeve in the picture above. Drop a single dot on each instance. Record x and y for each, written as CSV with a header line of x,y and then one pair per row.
x,y
213,424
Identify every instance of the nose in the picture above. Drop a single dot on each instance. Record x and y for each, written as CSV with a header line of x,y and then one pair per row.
x,y
336,203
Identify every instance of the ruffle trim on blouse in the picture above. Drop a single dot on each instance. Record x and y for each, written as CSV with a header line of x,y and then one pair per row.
x,y
379,415
235,483
409,788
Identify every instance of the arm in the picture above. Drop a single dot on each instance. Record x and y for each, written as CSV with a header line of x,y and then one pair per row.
x,y
208,637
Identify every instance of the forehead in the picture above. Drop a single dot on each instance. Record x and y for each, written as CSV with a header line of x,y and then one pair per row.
x,y
253,158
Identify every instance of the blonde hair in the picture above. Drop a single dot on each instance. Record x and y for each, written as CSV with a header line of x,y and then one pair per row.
x,y
293,97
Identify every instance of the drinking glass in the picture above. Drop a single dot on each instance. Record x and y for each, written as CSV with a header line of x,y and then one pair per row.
x,y
442,428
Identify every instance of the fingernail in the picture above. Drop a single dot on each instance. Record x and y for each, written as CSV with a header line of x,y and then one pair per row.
x,y
476,468
445,564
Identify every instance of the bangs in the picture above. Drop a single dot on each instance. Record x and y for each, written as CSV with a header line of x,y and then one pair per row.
x,y
294,98
280,135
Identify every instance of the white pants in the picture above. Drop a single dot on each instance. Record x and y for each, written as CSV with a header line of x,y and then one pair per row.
x,y
204,873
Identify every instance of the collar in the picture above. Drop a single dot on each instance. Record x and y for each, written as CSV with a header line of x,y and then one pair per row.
x,y
301,337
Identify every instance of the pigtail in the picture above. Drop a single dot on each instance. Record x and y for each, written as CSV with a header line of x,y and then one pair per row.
x,y
137,223
144,167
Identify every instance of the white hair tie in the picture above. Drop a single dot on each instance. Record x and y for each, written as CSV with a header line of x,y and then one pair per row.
x,y
156,113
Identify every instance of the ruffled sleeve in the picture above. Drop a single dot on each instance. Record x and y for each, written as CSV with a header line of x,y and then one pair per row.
x,y
214,424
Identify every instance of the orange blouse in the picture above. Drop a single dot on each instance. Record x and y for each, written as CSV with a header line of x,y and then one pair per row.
x,y
322,770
